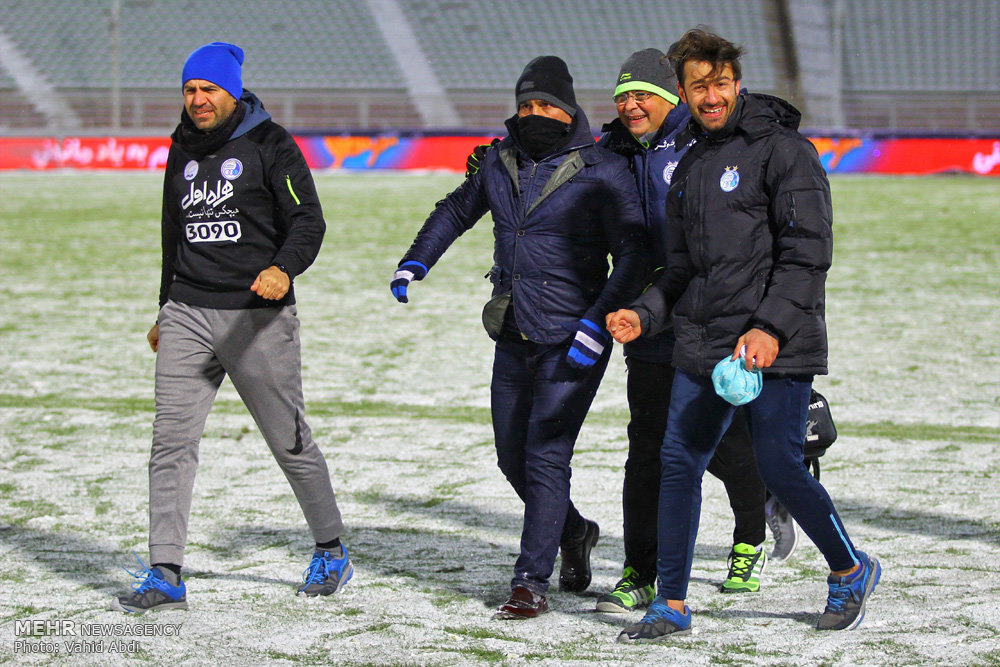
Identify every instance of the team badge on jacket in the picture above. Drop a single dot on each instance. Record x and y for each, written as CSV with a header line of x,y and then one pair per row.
x,y
730,179
190,170
231,169
668,171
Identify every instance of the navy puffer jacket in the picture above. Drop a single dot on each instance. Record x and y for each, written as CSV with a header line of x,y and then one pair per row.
x,y
749,243
555,221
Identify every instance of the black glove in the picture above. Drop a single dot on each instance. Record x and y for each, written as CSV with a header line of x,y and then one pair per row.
x,y
475,158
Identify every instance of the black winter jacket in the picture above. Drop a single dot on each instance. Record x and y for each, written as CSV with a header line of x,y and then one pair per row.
x,y
749,243
555,222
231,214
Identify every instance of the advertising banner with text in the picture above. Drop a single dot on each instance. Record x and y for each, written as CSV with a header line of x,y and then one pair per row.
x,y
448,153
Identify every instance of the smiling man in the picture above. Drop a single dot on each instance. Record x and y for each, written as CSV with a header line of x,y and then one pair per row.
x,y
646,130
749,243
240,220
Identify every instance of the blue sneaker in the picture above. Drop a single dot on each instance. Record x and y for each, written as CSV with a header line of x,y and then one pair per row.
x,y
328,571
659,622
153,591
845,606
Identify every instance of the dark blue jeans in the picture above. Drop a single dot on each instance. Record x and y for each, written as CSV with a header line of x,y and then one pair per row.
x,y
733,463
697,420
539,403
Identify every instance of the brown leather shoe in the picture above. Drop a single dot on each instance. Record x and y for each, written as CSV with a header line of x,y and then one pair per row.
x,y
522,604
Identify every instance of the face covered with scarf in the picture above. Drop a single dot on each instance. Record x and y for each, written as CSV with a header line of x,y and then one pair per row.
x,y
546,106
543,128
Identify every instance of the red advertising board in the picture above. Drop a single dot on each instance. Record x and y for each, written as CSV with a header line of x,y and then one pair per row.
x,y
364,152
84,153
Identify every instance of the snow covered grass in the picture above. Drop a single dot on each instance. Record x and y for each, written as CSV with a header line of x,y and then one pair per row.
x,y
397,396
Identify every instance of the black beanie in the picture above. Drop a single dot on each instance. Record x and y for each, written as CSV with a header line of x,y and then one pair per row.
x,y
647,70
547,78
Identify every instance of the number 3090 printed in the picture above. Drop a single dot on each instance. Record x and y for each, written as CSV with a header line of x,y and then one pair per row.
x,y
211,232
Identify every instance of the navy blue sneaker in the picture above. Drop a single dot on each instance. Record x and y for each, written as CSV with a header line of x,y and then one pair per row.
x,y
845,606
327,573
153,591
660,621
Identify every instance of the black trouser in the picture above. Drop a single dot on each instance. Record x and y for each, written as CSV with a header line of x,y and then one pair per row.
x,y
733,463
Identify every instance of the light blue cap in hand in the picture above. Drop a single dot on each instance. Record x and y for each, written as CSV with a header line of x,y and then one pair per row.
x,y
734,383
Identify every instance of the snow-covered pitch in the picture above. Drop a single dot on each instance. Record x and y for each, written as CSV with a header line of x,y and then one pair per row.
x,y
397,397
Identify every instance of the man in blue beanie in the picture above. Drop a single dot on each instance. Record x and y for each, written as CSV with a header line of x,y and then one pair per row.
x,y
241,219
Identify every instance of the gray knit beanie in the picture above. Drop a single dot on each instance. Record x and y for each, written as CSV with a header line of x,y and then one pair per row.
x,y
647,70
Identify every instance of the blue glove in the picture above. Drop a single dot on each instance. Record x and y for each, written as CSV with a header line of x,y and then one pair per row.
x,y
406,272
734,383
588,344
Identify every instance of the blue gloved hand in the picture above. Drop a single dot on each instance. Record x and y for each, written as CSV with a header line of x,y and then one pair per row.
x,y
588,344
734,383
406,272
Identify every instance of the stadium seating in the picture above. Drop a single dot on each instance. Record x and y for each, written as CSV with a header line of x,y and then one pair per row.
x,y
326,64
306,44
490,42
932,65
905,46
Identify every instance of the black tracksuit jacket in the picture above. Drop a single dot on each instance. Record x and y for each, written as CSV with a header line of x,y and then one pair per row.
x,y
226,217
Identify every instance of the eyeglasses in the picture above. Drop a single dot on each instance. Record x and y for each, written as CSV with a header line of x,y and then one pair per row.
x,y
639,96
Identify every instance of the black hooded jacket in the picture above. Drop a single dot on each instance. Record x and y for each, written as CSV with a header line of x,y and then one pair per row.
x,y
248,204
749,243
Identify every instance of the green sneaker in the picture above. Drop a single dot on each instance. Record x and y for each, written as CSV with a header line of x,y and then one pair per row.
x,y
746,564
628,594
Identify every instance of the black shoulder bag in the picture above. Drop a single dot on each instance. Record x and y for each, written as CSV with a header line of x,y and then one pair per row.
x,y
821,432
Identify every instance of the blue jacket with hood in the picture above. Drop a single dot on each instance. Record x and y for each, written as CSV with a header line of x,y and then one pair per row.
x,y
555,221
652,164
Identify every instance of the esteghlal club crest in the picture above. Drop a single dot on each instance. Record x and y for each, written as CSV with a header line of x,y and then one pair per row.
x,y
668,171
231,169
190,170
730,179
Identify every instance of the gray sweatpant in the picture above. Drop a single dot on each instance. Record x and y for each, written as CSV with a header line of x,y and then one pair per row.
x,y
259,349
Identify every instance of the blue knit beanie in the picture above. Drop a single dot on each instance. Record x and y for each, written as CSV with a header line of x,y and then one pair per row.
x,y
218,62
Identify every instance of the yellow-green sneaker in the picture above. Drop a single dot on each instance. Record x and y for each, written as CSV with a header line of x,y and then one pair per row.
x,y
629,593
746,564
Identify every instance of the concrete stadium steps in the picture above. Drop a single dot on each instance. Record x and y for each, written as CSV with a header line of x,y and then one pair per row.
x,y
489,43
932,45
310,44
327,63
